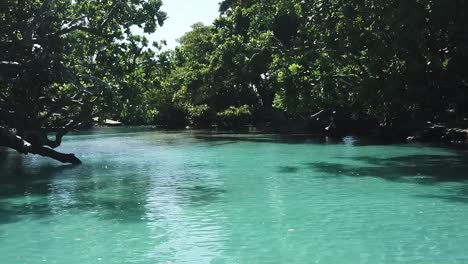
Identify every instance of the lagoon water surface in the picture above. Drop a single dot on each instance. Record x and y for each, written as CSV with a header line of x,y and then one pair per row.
x,y
148,197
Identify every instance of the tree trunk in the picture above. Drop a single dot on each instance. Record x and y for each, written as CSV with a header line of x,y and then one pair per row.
x,y
11,140
266,95
62,157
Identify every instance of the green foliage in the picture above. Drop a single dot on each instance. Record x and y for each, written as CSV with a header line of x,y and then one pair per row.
x,y
390,61
200,115
64,62
235,116
387,60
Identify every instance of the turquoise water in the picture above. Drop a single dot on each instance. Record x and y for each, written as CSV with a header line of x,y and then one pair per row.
x,y
156,197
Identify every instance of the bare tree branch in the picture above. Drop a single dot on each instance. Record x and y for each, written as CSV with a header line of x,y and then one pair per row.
x,y
73,79
40,11
76,20
111,13
58,139
93,31
35,21
9,63
109,88
11,140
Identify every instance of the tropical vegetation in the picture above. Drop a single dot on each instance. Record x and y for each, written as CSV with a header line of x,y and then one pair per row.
x,y
360,65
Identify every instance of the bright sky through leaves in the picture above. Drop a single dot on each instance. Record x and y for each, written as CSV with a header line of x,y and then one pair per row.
x,y
181,15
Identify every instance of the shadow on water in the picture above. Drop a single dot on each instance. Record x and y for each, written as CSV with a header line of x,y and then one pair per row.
x,y
460,195
202,195
215,144
230,138
418,169
17,178
44,190
425,169
219,139
18,181
288,169
449,198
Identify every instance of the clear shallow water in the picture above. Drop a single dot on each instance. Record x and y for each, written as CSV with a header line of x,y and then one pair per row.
x,y
155,197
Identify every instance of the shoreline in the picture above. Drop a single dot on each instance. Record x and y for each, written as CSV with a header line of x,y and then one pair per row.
x,y
436,135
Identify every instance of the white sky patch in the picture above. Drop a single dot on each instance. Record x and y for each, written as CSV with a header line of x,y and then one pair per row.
x,y
182,14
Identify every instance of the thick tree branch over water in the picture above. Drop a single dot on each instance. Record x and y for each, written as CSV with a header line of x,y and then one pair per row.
x,y
9,139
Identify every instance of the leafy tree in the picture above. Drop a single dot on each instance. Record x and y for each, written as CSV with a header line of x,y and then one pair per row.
x,y
396,63
66,61
384,60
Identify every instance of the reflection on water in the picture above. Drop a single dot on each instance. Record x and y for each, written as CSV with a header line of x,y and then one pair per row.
x,y
157,197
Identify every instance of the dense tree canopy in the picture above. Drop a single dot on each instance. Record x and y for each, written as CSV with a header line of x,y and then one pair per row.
x,y
63,62
393,63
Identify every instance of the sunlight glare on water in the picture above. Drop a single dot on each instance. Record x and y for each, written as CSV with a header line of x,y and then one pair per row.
x,y
144,196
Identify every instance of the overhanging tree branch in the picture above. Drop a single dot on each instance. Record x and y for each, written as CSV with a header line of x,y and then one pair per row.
x,y
9,139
